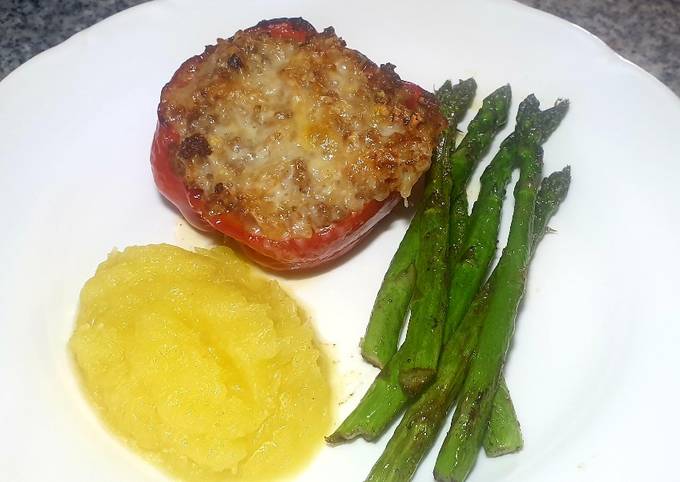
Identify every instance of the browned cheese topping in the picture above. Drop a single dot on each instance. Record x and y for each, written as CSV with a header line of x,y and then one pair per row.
x,y
293,136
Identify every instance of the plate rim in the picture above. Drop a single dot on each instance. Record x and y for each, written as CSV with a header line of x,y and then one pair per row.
x,y
516,4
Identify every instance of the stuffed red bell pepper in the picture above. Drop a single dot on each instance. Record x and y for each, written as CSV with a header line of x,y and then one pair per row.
x,y
289,142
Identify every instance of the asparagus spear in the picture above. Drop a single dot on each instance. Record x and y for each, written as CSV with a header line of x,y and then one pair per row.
x,y
503,435
420,425
481,132
480,243
554,189
458,226
422,345
426,330
421,348
533,127
455,100
461,445
385,398
391,304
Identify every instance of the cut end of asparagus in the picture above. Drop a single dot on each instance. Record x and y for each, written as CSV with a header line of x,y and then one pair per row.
x,y
349,430
415,380
503,435
341,436
372,354
335,439
372,358
500,450
441,477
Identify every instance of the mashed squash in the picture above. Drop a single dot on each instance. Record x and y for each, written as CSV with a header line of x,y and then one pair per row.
x,y
205,367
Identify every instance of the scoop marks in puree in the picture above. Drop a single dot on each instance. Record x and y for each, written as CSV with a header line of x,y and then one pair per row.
x,y
201,364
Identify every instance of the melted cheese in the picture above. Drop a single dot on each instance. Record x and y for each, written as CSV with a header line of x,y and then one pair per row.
x,y
299,134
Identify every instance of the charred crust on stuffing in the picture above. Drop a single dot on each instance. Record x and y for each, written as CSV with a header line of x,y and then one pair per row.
x,y
187,67
234,62
389,69
194,146
298,23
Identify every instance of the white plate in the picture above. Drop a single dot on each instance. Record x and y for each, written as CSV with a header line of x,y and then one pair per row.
x,y
593,368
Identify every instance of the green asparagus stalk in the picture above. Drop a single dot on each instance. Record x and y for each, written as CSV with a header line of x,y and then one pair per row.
x,y
385,398
480,244
455,100
554,189
481,132
534,127
426,330
463,441
381,340
421,348
458,227
503,435
422,345
391,304
421,423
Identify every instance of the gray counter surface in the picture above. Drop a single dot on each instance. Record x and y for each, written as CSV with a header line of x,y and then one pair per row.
x,y
645,32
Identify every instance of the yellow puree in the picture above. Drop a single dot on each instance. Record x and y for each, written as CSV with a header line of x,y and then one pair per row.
x,y
205,367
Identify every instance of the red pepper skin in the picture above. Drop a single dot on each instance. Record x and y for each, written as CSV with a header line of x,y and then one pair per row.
x,y
290,254
169,184
304,253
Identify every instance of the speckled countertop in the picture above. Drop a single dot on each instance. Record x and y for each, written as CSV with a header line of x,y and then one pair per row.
x,y
647,33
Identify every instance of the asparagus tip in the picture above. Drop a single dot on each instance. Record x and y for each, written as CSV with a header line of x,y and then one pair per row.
x,y
530,102
557,185
561,102
469,83
561,107
504,90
